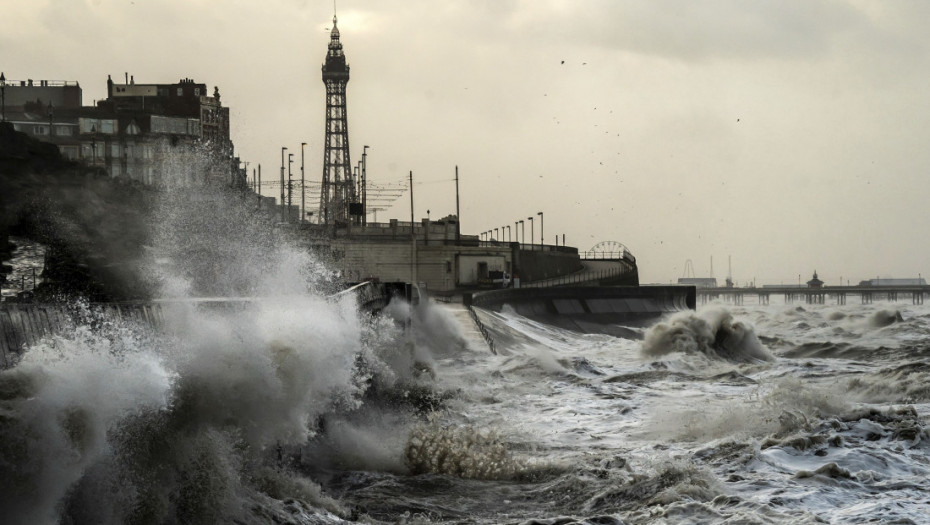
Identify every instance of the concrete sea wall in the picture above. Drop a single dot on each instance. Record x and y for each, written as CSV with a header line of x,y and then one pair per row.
x,y
590,309
23,325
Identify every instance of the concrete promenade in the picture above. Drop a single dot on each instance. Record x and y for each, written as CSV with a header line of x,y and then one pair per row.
x,y
831,294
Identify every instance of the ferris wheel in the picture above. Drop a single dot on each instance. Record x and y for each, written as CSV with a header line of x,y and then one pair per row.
x,y
609,247
610,250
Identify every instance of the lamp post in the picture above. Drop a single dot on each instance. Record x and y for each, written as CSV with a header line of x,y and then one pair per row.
x,y
364,185
303,193
51,113
93,143
509,232
522,238
3,96
283,203
540,228
496,236
531,232
290,185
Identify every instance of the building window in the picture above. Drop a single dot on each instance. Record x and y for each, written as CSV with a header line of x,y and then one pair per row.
x,y
63,131
196,92
39,130
180,92
69,152
107,126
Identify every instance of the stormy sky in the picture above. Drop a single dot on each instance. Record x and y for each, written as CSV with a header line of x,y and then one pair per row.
x,y
790,136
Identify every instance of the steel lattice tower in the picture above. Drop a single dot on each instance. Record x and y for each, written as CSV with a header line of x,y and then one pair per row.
x,y
338,190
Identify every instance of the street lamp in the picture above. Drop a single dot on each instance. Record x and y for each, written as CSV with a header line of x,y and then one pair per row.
x,y
364,185
283,202
509,236
51,112
522,232
93,142
531,231
290,185
3,96
303,194
496,236
541,237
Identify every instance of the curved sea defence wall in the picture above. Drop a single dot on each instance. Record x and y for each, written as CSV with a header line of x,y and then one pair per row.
x,y
590,309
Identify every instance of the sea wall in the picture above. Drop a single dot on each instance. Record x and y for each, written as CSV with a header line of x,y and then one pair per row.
x,y
23,325
605,309
536,265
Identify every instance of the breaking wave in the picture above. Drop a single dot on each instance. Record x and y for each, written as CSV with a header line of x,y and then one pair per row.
x,y
712,332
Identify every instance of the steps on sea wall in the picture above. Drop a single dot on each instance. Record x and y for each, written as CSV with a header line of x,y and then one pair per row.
x,y
471,330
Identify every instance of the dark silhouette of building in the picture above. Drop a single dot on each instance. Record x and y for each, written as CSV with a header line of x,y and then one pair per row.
x,y
135,133
815,282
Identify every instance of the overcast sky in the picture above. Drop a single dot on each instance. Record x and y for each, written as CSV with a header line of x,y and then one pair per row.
x,y
792,136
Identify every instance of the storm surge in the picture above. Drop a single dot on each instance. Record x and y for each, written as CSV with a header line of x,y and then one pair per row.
x,y
262,396
712,332
207,418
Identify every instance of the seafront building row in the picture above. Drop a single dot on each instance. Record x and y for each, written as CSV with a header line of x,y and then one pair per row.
x,y
132,133
138,132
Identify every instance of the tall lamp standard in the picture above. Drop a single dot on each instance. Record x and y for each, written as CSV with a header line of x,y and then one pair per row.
x,y
303,193
531,232
522,232
515,227
509,236
540,228
496,236
283,202
3,96
290,185
93,142
364,185
51,113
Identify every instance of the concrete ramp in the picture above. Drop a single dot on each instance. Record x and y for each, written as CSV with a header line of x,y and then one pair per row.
x,y
591,309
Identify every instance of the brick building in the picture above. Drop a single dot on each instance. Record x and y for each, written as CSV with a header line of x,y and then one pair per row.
x,y
138,132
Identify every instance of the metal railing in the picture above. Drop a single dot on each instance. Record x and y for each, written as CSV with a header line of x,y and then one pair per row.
x,y
578,278
623,255
482,329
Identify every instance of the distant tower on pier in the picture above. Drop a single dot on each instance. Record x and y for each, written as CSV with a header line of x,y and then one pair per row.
x,y
338,201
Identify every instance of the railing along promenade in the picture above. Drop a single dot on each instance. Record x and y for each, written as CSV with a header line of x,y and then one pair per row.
x,y
832,294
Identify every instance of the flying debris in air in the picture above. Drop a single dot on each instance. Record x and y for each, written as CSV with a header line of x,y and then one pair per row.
x,y
563,61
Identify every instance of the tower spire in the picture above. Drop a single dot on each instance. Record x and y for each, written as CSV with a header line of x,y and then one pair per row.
x,y
338,187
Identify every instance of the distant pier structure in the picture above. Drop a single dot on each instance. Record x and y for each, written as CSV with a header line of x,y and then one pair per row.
x,y
338,196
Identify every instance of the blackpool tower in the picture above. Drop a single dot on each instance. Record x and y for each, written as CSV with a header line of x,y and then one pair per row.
x,y
338,200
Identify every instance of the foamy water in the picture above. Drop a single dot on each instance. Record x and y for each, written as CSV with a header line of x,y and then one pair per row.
x,y
297,408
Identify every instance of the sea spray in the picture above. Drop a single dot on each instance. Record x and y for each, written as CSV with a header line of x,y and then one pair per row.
x,y
461,451
59,405
712,332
